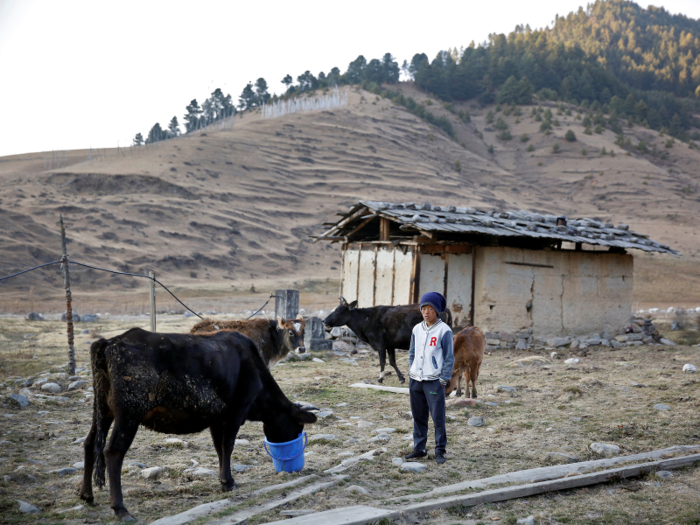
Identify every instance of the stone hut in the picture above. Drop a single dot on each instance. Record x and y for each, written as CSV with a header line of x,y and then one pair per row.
x,y
512,272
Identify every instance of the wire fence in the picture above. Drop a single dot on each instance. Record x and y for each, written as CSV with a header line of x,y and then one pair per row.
x,y
128,274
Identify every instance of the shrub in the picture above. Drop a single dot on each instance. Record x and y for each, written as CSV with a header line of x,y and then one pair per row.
x,y
598,129
524,137
489,117
603,151
458,166
555,148
530,148
642,147
501,124
570,136
491,148
587,131
584,152
669,143
505,135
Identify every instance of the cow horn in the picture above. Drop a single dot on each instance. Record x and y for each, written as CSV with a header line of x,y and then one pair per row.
x,y
299,316
342,300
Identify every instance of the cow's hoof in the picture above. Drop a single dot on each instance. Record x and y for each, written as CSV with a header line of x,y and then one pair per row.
x,y
228,487
87,498
402,380
124,515
380,380
459,394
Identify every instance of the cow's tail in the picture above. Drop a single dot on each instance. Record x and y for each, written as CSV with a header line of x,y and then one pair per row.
x,y
101,386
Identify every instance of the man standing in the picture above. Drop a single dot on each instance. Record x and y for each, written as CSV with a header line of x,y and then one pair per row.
x,y
430,358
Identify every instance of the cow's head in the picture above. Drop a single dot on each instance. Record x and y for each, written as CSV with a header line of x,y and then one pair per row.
x,y
341,315
454,381
287,424
292,333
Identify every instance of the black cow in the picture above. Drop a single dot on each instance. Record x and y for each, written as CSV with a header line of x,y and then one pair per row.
x,y
180,384
384,328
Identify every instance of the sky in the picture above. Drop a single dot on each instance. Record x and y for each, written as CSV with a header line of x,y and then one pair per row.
x,y
79,73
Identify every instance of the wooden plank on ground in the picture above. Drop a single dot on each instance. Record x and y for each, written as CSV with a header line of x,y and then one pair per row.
x,y
531,489
394,389
244,514
347,463
356,515
207,509
554,472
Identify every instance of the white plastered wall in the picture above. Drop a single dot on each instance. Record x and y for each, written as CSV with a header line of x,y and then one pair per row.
x,y
552,292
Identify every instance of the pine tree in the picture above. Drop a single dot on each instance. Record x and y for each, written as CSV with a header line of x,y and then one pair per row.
x,y
192,116
174,128
138,139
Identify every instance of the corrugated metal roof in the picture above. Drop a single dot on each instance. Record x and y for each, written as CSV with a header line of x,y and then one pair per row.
x,y
460,219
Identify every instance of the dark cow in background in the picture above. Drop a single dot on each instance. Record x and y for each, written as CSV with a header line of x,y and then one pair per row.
x,y
384,328
274,339
179,384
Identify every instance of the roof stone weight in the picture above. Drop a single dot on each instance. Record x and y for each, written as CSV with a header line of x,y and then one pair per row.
x,y
425,217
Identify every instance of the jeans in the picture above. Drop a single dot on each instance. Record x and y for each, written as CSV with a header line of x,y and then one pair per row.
x,y
428,398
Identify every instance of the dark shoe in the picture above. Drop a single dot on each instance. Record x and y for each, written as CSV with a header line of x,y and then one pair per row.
x,y
416,454
440,459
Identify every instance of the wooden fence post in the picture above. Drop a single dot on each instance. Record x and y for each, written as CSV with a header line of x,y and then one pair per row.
x,y
152,296
69,301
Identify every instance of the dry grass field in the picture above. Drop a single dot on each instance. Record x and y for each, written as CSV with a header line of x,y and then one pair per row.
x,y
608,397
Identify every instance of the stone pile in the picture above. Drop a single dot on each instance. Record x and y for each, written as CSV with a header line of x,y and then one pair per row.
x,y
639,332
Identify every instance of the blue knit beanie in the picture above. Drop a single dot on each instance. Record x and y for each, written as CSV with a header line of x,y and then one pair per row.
x,y
434,299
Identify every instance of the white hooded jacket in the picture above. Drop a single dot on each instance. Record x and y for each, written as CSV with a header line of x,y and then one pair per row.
x,y
431,355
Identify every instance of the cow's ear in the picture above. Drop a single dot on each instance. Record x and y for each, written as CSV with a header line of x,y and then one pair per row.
x,y
280,322
352,305
304,417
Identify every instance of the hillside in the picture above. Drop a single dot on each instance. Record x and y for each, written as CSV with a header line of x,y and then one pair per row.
x,y
224,210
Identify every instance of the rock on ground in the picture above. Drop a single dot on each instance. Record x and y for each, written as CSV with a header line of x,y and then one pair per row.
x,y
604,449
689,368
152,473
357,488
662,406
17,401
27,508
559,457
412,466
476,421
321,437
54,388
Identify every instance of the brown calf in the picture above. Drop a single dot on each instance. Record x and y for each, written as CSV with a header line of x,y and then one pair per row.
x,y
274,339
469,345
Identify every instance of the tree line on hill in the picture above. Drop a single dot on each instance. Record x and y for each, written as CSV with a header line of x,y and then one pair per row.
x,y
643,64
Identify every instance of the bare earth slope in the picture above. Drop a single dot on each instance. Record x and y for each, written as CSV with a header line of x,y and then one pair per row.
x,y
237,206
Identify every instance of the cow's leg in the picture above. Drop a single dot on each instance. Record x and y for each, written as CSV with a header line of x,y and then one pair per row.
x,y
392,362
217,432
229,434
119,442
382,362
474,373
89,447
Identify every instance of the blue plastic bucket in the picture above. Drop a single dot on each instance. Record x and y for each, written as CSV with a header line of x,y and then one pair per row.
x,y
289,456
